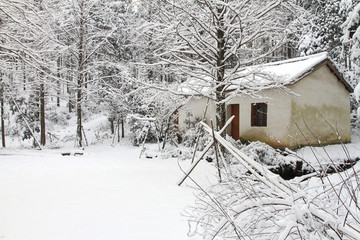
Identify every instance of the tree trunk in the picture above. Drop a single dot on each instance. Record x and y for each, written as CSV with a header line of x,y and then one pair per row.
x,y
24,74
79,114
80,77
69,91
220,74
112,127
2,117
42,110
118,129
58,92
122,128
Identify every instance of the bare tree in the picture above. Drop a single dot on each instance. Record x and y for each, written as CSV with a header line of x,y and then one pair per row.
x,y
27,41
85,30
210,40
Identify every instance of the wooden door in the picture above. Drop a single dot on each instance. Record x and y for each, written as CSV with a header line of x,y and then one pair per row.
x,y
235,128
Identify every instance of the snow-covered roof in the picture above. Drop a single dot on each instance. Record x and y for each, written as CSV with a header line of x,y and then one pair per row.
x,y
284,72
270,75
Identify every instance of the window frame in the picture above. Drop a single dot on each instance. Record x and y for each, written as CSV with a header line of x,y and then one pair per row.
x,y
259,112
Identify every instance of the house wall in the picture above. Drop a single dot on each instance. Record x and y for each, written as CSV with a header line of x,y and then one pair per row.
x,y
320,107
278,118
322,110
194,111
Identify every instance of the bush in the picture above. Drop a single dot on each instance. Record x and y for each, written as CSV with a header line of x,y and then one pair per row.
x,y
190,138
259,205
139,129
355,118
58,118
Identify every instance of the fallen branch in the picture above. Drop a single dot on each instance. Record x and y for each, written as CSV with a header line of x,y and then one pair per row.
x,y
207,148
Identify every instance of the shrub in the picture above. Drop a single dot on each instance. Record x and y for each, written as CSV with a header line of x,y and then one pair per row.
x,y
140,129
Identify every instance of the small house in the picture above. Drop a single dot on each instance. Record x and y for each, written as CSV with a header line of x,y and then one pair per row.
x,y
298,102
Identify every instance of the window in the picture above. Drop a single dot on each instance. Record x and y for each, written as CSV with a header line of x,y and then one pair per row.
x,y
258,114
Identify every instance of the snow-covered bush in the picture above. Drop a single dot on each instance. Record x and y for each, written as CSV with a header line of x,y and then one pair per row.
x,y
141,129
194,140
351,45
242,207
355,113
190,137
25,112
280,162
58,117
263,153
255,204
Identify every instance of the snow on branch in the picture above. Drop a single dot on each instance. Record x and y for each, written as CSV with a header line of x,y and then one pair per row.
x,y
260,204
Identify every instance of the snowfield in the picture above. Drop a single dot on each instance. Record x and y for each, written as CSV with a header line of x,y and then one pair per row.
x,y
107,193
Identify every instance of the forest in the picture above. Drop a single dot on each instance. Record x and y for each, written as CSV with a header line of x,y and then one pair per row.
x,y
89,81
126,57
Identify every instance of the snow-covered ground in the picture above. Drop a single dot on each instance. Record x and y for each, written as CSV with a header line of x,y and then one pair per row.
x,y
107,193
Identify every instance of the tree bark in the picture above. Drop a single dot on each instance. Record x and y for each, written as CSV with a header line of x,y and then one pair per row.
x,y
118,129
80,77
112,126
42,110
2,117
220,74
69,91
122,128
58,92
24,75
79,113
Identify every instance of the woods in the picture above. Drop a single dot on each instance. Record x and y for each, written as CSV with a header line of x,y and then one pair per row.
x,y
177,73
122,55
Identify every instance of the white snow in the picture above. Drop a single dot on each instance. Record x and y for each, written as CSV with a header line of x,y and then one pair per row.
x,y
337,153
107,193
357,92
262,76
352,20
284,72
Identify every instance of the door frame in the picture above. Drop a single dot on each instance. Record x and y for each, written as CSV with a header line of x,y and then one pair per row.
x,y
234,109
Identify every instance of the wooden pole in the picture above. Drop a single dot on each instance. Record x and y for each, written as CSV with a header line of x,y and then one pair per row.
x,y
114,135
206,149
192,167
216,151
199,131
83,132
196,144
143,144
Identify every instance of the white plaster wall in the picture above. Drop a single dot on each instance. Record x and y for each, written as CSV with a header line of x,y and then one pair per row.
x,y
324,101
278,118
322,95
197,107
